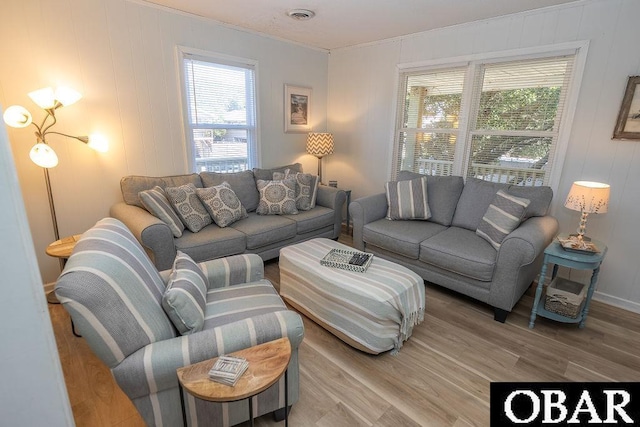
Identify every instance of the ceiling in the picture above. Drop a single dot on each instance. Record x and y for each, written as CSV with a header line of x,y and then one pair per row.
x,y
342,23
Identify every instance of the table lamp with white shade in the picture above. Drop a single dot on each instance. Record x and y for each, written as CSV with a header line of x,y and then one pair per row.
x,y
587,197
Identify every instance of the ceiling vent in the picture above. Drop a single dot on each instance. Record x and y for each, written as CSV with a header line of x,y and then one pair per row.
x,y
301,14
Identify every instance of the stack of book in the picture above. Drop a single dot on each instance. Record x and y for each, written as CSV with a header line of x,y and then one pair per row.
x,y
228,369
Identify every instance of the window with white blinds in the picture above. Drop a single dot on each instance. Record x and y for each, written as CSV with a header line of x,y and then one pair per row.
x,y
497,121
221,113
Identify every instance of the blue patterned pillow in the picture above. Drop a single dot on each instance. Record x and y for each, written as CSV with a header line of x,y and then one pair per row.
x,y
156,203
277,197
222,204
185,298
189,207
407,199
503,216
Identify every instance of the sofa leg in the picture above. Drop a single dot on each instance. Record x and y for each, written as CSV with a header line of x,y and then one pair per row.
x,y
278,414
499,315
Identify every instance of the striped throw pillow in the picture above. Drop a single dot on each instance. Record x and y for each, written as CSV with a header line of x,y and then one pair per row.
x,y
185,298
156,203
407,199
503,215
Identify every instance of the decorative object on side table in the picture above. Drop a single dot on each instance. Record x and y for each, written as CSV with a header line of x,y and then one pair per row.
x,y
587,197
320,144
566,293
628,123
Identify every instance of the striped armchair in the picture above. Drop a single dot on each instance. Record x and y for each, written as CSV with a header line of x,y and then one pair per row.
x,y
113,293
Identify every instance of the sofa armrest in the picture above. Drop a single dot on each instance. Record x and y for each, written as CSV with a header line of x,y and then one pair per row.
x,y
333,198
233,270
153,367
519,260
153,234
363,211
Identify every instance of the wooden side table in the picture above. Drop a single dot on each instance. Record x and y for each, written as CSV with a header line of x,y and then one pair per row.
x,y
555,254
62,249
267,363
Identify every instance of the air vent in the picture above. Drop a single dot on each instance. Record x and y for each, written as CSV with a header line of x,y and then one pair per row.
x,y
301,14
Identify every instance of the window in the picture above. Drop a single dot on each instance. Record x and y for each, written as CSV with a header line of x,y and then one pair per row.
x,y
220,112
497,121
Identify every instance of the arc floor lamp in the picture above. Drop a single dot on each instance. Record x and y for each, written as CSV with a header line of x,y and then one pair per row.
x,y
42,154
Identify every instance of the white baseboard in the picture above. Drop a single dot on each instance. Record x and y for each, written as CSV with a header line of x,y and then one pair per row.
x,y
617,302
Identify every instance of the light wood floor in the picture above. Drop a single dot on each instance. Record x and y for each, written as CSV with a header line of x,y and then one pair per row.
x,y
440,378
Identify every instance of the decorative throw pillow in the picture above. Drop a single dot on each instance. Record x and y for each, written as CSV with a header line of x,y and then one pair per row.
x,y
222,204
190,210
502,217
306,188
407,199
185,298
156,203
277,197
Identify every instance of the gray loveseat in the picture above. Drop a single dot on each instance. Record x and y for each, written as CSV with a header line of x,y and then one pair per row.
x,y
446,250
263,235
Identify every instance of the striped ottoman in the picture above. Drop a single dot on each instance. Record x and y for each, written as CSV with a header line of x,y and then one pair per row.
x,y
374,311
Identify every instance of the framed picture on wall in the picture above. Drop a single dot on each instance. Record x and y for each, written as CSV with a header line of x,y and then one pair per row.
x,y
297,109
628,124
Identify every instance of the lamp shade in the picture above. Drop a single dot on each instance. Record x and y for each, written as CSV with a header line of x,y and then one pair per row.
x,y
98,142
588,197
43,155
17,116
45,98
319,144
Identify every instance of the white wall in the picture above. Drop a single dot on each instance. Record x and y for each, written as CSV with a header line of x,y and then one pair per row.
x,y
121,56
362,97
32,390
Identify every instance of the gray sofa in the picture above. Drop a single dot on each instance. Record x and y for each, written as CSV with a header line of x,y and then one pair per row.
x,y
446,250
263,235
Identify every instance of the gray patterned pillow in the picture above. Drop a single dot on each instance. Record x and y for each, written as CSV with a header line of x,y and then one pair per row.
x,y
190,210
407,199
502,217
185,298
277,197
222,204
306,188
156,203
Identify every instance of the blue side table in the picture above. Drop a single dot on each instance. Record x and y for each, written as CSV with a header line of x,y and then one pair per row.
x,y
555,254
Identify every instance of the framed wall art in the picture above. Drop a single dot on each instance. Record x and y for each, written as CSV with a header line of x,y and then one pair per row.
x,y
628,124
297,109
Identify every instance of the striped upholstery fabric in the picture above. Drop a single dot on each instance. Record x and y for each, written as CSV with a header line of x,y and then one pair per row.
x,y
233,270
407,199
186,295
502,217
110,285
155,201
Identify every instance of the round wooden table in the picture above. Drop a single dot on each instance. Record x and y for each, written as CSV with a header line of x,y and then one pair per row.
x,y
62,250
267,363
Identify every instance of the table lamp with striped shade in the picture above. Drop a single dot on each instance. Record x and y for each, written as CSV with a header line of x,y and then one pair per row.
x,y
319,144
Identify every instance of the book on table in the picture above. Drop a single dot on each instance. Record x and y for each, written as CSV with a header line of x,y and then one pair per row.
x,y
228,370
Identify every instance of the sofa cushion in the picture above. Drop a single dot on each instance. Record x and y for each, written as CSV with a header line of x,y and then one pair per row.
x,y
267,174
185,298
132,185
155,201
400,237
211,242
442,195
460,251
189,207
222,204
277,197
474,201
242,183
314,219
238,302
540,198
263,230
407,199
306,188
502,217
